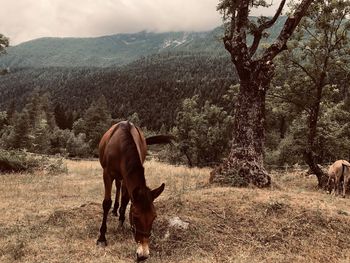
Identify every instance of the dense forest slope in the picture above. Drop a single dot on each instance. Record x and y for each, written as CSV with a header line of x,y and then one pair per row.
x,y
153,87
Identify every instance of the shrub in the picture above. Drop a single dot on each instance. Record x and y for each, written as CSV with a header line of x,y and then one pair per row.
x,y
202,133
21,161
17,161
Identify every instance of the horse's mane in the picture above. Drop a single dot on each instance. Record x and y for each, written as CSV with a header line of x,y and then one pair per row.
x,y
132,159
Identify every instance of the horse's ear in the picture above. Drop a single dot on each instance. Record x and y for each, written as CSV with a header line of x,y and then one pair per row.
x,y
156,192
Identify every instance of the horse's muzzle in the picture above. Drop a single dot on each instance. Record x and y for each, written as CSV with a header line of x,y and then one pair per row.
x,y
142,252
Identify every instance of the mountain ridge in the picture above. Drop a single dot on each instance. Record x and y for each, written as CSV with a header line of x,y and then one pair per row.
x,y
105,51
116,50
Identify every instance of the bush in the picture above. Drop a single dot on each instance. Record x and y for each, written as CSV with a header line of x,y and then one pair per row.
x,y
202,133
17,161
21,161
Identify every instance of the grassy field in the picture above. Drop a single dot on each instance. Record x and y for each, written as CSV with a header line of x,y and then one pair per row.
x,y
56,218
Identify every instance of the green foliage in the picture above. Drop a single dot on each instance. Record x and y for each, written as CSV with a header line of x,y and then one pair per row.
x,y
3,119
77,146
34,129
97,120
310,90
17,161
135,119
202,133
21,161
153,87
4,43
19,135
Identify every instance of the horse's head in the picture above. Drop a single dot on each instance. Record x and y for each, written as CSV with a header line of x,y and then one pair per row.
x,y
142,215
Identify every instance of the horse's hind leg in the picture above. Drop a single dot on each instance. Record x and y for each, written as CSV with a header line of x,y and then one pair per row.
x,y
329,185
345,184
117,194
124,203
107,203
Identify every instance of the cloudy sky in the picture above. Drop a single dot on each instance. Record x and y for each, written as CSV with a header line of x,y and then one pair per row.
x,y
22,20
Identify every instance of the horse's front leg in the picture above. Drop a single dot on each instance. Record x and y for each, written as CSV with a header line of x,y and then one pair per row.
x,y
124,203
107,203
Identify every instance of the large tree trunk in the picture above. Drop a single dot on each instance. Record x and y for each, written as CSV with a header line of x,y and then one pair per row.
x,y
309,154
244,165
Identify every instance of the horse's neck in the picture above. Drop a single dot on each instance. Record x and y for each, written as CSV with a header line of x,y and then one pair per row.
x,y
134,180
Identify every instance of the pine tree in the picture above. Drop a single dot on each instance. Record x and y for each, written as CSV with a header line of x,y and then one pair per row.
x,y
97,119
48,111
20,136
61,117
3,120
11,110
33,108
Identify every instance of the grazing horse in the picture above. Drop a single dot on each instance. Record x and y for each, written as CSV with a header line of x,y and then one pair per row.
x,y
338,171
122,151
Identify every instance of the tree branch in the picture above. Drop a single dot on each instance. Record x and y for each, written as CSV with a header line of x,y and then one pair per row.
x,y
338,38
289,26
313,35
259,31
289,100
305,70
236,43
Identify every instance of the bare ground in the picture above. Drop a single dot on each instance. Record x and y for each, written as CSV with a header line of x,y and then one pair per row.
x,y
56,219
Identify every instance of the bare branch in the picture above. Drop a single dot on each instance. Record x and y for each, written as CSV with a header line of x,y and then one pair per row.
x,y
289,26
289,100
316,62
305,70
338,39
311,34
258,33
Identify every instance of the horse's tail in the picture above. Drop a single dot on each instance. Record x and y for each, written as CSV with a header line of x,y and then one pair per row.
x,y
159,139
344,166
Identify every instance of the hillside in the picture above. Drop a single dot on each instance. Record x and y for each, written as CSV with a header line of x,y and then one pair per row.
x,y
114,50
104,51
141,72
57,219
144,86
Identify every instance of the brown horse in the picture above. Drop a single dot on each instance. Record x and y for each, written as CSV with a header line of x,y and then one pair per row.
x,y
122,152
338,171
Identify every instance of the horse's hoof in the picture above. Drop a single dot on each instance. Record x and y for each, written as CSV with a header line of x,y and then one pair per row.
x,y
101,243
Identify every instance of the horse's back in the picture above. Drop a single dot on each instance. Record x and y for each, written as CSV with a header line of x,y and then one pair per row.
x,y
337,167
140,142
115,142
103,144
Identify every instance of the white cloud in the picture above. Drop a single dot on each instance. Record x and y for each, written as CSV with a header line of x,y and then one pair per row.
x,y
22,20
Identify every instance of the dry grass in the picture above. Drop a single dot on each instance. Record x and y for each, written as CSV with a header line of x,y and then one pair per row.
x,y
56,219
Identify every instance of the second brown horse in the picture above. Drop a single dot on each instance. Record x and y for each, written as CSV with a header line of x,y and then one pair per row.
x,y
122,151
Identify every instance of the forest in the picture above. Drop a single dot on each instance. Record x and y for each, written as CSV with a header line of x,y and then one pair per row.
x,y
192,95
257,110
